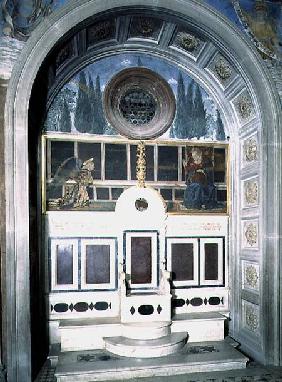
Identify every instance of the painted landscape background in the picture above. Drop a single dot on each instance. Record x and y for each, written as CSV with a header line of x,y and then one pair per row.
x,y
78,107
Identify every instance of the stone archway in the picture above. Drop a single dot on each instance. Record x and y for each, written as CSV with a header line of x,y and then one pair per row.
x,y
251,110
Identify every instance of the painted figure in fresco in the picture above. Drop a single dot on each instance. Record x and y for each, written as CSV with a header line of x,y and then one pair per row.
x,y
74,176
200,192
21,17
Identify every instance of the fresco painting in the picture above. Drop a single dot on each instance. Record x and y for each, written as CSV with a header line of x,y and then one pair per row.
x,y
78,107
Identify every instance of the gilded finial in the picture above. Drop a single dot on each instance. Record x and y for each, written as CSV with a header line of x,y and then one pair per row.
x,y
141,164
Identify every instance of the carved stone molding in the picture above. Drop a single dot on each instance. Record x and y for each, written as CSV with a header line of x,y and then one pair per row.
x,y
251,193
250,234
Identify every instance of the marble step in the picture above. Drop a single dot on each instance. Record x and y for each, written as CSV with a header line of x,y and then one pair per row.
x,y
159,347
100,365
146,330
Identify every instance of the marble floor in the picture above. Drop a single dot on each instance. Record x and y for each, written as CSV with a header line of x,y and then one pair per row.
x,y
212,362
253,373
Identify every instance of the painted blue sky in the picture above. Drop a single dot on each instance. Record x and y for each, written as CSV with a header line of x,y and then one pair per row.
x,y
107,67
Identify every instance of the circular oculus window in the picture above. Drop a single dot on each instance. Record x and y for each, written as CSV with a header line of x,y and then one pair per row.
x,y
139,103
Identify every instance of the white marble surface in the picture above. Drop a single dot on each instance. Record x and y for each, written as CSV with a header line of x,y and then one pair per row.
x,y
10,49
225,357
151,348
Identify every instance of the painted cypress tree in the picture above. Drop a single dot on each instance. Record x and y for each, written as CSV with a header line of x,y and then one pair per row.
x,y
65,122
190,111
200,114
179,128
82,116
100,119
220,133
54,117
92,101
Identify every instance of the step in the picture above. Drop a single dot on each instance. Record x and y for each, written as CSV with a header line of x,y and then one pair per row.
x,y
99,365
159,347
208,326
86,334
146,331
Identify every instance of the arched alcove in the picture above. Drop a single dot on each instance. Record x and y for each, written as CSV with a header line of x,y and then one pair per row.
x,y
250,111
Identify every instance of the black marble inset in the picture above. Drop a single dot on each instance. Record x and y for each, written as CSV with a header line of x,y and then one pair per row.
x,y
64,266
146,310
196,301
81,306
97,264
95,357
202,349
214,301
61,308
182,261
141,260
101,305
178,302
211,261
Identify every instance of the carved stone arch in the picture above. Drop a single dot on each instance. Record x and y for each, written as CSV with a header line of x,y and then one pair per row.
x,y
253,115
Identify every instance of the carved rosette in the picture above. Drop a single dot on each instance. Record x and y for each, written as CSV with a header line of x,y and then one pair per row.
x,y
187,41
251,193
252,317
251,234
250,150
145,27
244,106
222,68
251,276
